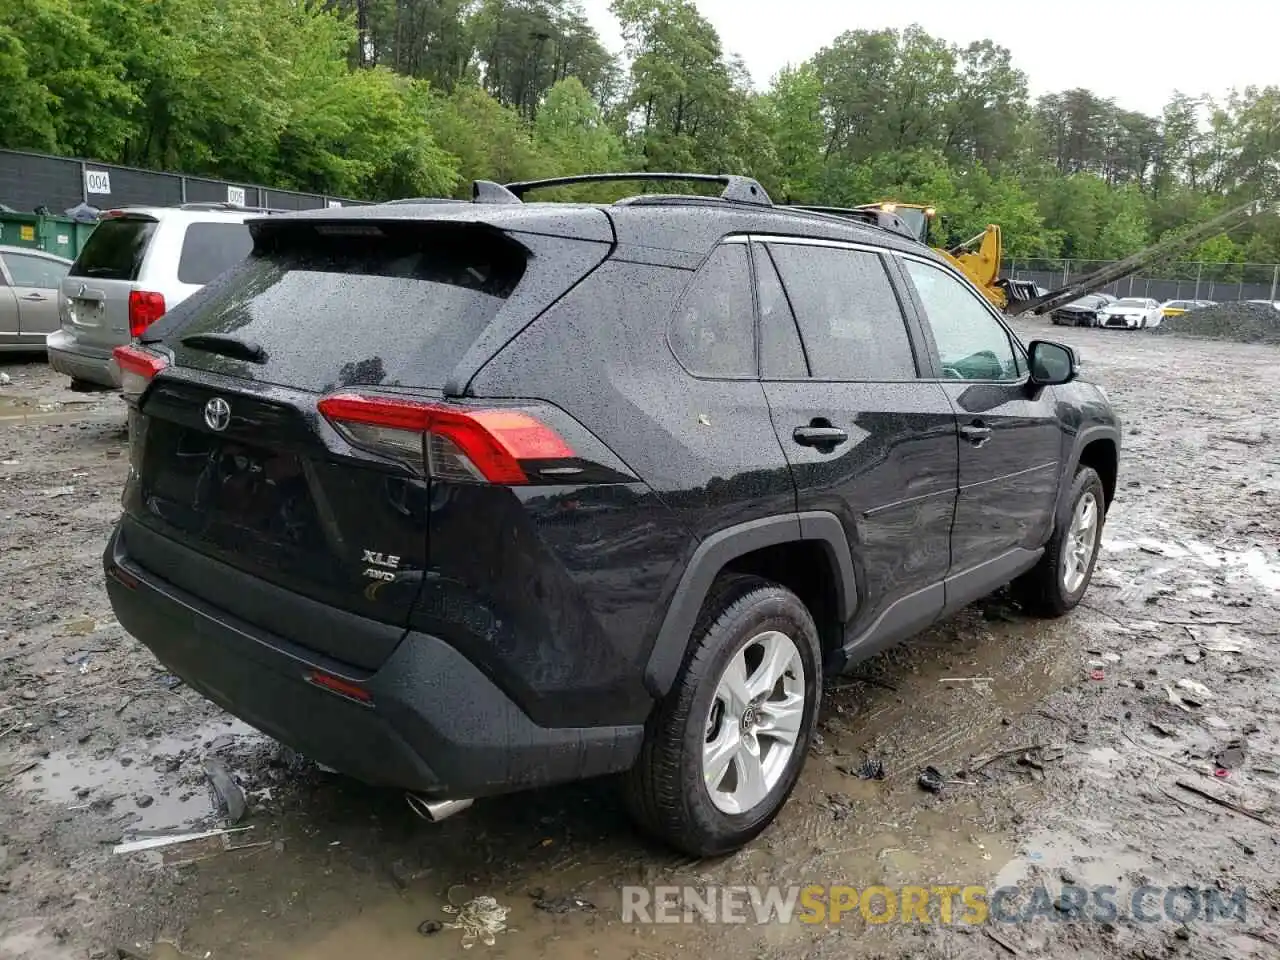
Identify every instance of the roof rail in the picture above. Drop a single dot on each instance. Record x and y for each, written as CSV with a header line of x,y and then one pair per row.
x,y
736,188
232,207
425,200
872,216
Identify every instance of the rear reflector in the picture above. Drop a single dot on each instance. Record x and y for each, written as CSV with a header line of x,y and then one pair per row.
x,y
145,308
457,444
137,367
344,688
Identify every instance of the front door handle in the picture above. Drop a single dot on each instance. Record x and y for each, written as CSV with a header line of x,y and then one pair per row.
x,y
816,435
977,433
35,297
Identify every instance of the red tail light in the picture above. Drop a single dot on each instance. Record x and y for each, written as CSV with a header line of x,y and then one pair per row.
x,y
144,309
457,444
137,367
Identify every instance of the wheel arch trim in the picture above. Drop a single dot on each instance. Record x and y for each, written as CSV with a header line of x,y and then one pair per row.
x,y
723,547
1083,439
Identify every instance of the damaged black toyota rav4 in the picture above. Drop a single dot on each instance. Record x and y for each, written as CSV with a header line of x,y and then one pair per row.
x,y
471,497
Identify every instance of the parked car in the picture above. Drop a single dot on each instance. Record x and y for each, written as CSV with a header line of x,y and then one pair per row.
x,y
138,263
1131,313
1176,308
470,498
1267,303
1082,312
29,281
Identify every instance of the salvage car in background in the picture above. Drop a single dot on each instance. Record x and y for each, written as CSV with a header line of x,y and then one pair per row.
x,y
1131,313
139,262
29,282
1176,308
1082,312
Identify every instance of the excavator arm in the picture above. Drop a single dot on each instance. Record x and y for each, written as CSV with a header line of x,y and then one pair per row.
x,y
1130,265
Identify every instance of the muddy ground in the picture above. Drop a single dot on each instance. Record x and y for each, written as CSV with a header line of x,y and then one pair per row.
x,y
99,744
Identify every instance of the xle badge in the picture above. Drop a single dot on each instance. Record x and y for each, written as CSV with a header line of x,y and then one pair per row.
x,y
380,566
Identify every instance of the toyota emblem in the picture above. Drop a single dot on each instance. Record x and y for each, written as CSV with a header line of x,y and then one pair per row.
x,y
217,414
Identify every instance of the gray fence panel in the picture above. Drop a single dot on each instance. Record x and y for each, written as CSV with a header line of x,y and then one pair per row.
x,y
200,190
289,200
28,181
137,187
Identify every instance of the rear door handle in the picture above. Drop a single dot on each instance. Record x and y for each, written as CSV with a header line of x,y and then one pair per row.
x,y
976,433
812,436
35,297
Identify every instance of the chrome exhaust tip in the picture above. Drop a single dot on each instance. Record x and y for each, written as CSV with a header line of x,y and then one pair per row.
x,y
435,810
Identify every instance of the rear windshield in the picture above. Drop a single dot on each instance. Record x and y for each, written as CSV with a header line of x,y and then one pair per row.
x,y
115,249
210,248
396,309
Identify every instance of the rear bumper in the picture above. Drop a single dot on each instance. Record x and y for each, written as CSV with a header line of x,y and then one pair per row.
x,y
435,723
69,356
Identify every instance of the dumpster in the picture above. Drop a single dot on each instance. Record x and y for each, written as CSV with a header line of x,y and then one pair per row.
x,y
62,236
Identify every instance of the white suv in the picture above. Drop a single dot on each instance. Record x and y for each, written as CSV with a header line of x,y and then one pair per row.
x,y
138,263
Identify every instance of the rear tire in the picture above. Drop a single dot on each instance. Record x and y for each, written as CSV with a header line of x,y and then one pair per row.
x,y
724,749
1057,584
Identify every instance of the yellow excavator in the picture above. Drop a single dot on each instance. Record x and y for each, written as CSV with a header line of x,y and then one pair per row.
x,y
978,258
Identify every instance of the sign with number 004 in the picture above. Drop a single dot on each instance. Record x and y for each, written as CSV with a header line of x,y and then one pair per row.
x,y
97,181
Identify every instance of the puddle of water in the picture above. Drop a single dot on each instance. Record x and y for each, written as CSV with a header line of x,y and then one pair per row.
x,y
168,771
1044,854
1251,563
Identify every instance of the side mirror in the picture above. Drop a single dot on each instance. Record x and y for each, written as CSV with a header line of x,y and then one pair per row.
x,y
1052,363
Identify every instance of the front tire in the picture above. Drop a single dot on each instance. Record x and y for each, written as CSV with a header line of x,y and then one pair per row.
x,y
724,749
1057,584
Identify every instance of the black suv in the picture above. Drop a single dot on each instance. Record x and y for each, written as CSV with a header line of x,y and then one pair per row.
x,y
465,498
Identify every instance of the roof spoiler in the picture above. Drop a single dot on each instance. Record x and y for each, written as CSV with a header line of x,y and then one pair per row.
x,y
736,189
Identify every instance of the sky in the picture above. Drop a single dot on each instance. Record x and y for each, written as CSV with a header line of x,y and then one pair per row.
x,y
1135,51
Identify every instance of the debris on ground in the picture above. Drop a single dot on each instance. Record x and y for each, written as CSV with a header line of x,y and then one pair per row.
x,y
429,927
480,918
227,792
1223,802
562,904
155,843
1194,693
840,806
1242,322
871,769
1231,756
931,779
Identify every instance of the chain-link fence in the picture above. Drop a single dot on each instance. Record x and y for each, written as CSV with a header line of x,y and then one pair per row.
x,y
31,181
1170,281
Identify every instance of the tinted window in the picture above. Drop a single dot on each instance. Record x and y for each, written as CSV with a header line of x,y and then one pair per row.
x,y
115,249
849,316
781,353
34,271
400,308
972,344
210,248
713,331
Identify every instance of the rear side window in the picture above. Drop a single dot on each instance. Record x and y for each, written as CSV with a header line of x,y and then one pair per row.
x,y
115,249
208,249
38,272
849,316
713,331
397,308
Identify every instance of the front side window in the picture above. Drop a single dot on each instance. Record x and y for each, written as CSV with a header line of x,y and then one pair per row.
x,y
849,316
713,331
972,344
